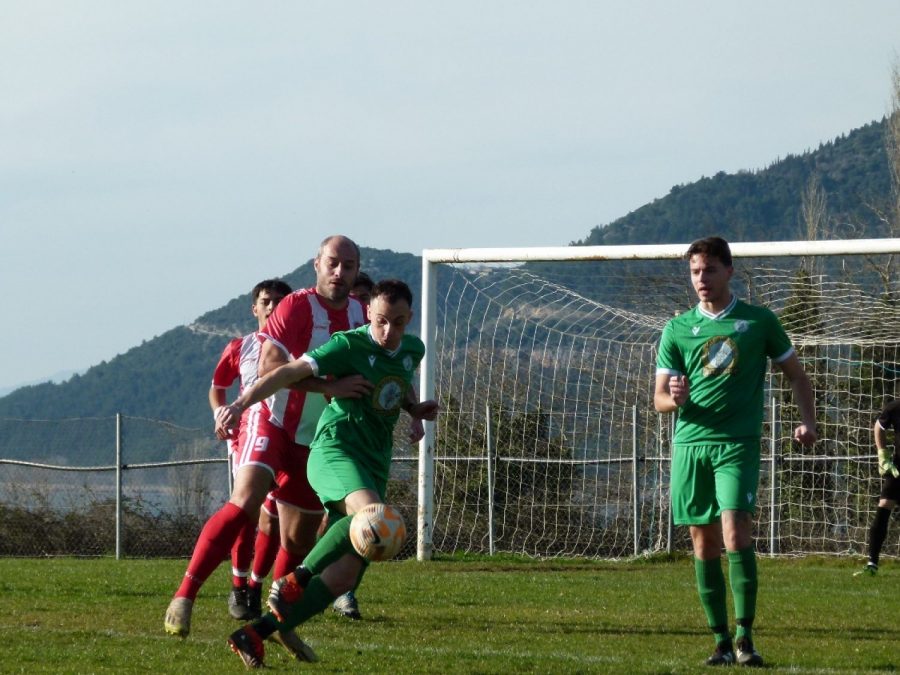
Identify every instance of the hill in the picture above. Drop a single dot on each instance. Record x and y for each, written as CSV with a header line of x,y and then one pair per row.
x,y
167,377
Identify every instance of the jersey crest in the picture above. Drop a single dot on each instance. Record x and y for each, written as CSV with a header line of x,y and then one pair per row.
x,y
387,395
720,355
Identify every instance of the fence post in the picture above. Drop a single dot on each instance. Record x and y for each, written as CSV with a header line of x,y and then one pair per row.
x,y
490,477
773,482
670,535
634,480
118,486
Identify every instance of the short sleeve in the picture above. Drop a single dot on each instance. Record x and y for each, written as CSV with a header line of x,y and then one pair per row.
x,y
669,358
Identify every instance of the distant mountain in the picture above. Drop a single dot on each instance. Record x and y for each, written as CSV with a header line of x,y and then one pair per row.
x,y
765,205
167,378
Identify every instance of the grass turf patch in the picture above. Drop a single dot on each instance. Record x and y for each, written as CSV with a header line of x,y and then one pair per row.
x,y
454,615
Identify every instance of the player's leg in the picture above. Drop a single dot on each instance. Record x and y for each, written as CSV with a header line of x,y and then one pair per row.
x,y
711,588
298,528
299,514
241,558
299,511
737,480
890,493
318,592
694,504
347,604
331,569
214,542
266,548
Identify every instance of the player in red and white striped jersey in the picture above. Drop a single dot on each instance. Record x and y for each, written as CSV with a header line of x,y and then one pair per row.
x,y
240,363
270,447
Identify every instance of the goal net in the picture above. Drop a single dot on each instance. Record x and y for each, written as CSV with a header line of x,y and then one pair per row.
x,y
548,444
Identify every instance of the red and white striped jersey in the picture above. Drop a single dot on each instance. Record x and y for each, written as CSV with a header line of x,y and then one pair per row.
x,y
302,321
239,360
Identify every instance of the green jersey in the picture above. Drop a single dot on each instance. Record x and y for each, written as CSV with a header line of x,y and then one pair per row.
x,y
724,358
364,427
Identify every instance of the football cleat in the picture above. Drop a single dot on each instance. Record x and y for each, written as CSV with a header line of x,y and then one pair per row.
x,y
723,656
285,592
246,643
747,655
870,570
347,605
178,617
295,646
254,602
237,604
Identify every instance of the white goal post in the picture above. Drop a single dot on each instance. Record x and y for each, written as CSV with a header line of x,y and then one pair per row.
x,y
543,361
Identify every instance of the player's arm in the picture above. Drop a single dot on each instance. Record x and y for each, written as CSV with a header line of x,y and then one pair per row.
x,y
280,378
416,428
271,356
217,403
350,386
419,410
226,372
671,392
264,387
805,433
880,436
216,398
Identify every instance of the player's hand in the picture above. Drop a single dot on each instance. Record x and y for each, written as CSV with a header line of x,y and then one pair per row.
x,y
424,410
886,463
416,430
679,389
227,418
805,435
352,386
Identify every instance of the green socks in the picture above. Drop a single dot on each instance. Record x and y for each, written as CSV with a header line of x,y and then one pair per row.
x,y
316,598
711,587
331,546
744,585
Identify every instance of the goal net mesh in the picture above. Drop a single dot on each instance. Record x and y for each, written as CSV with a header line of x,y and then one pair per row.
x,y
548,443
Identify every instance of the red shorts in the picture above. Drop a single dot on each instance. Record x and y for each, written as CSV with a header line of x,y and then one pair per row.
x,y
270,506
263,444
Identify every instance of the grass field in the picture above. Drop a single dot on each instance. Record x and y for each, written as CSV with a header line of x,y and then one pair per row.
x,y
501,615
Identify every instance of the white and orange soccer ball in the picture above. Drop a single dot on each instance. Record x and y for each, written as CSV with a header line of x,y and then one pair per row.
x,y
377,532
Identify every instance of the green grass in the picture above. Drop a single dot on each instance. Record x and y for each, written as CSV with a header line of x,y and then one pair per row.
x,y
500,615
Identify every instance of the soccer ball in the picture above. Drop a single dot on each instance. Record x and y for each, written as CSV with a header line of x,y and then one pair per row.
x,y
377,532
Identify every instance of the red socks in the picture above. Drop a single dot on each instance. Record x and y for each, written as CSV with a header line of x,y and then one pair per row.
x,y
212,547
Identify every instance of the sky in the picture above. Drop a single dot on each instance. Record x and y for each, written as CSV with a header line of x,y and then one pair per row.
x,y
157,159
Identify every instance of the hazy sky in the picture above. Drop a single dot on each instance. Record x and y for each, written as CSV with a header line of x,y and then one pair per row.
x,y
159,158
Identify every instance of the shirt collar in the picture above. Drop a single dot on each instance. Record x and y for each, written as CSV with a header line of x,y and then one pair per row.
x,y
714,317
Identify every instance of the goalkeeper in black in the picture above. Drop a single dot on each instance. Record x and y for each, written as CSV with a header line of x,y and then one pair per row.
x,y
888,459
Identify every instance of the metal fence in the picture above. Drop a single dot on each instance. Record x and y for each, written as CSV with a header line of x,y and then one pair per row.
x,y
137,504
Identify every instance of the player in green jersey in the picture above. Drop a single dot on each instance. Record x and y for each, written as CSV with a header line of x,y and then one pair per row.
x,y
350,456
711,368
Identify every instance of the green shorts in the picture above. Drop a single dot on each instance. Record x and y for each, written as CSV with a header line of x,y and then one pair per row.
x,y
334,474
709,479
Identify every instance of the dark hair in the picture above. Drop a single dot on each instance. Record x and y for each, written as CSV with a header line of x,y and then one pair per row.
x,y
363,279
276,286
711,246
393,290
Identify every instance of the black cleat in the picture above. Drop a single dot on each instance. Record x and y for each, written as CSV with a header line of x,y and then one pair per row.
x,y
237,604
723,656
747,655
246,643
